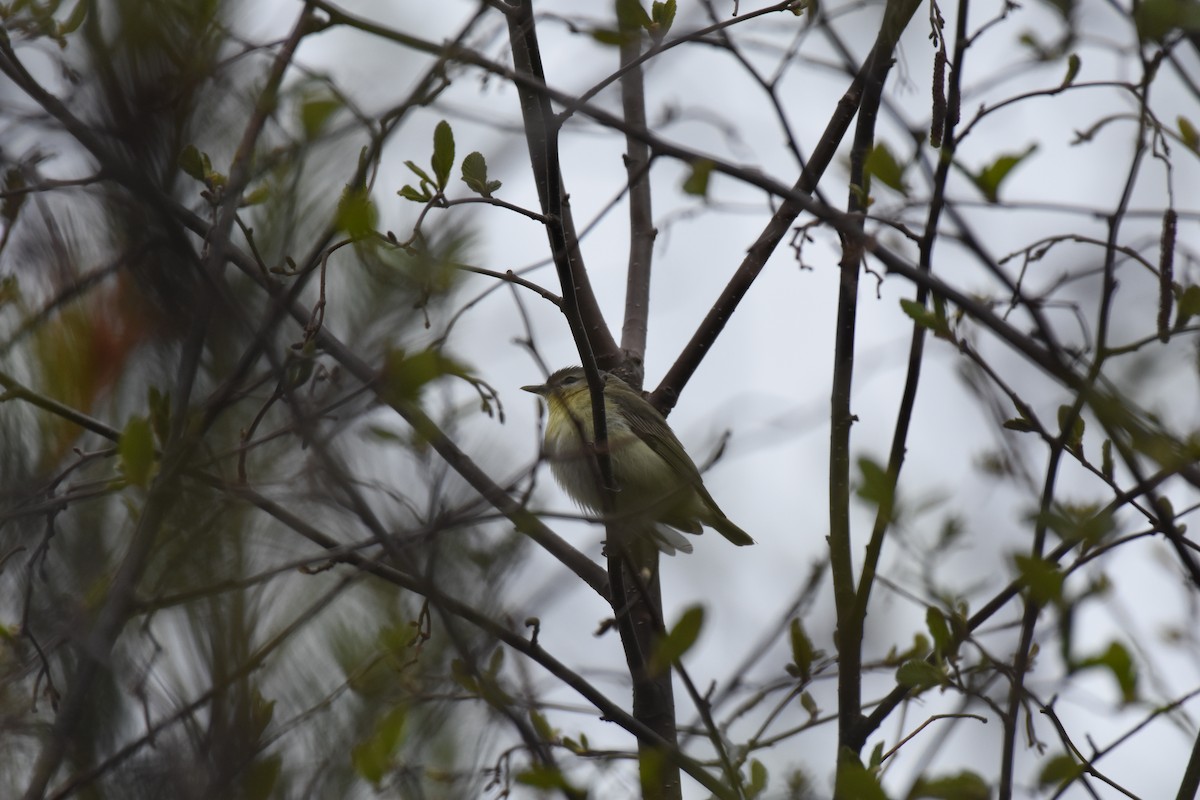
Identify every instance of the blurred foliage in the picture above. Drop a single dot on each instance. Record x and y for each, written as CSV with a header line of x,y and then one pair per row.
x,y
267,669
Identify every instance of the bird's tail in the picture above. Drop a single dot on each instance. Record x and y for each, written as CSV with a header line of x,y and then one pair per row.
x,y
669,540
733,533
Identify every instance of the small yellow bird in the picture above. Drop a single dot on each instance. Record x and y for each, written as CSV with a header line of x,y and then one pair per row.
x,y
656,480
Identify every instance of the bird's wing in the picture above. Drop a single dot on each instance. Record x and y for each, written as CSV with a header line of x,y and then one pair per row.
x,y
649,426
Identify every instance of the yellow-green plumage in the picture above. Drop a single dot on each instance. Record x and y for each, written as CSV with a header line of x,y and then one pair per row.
x,y
656,480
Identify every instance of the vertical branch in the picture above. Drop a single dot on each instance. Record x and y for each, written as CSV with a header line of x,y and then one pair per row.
x,y
637,603
1021,659
633,561
945,120
1029,618
849,622
641,218
637,612
593,341
1189,784
849,633
592,337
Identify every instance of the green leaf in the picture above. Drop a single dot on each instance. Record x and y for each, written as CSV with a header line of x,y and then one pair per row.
x,y
541,726
933,320
135,449
856,781
803,652
14,182
919,674
356,213
1117,660
409,193
861,196
420,173
631,14
405,376
882,164
391,728
1188,134
874,484
10,290
475,176
540,776
1154,19
663,16
809,704
1059,770
256,197
373,757
1089,523
1073,64
194,163
443,153
1187,305
988,179
613,38
1106,459
758,779
921,647
697,182
315,112
939,630
495,663
262,711
965,785
1074,435
1021,425
75,18
259,778
1043,578
678,640
160,413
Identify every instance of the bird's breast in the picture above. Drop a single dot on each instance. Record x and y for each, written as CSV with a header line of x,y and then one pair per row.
x,y
641,474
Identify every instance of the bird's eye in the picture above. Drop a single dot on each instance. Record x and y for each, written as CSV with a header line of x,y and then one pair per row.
x,y
567,381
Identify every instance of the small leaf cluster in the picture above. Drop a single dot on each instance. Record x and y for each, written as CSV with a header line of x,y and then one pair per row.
x,y
804,654
988,179
405,375
196,164
632,19
933,319
432,184
33,19
882,164
931,660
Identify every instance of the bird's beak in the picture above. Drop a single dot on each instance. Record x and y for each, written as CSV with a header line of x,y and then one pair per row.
x,y
538,388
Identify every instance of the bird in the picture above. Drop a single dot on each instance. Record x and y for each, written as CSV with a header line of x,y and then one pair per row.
x,y
658,487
